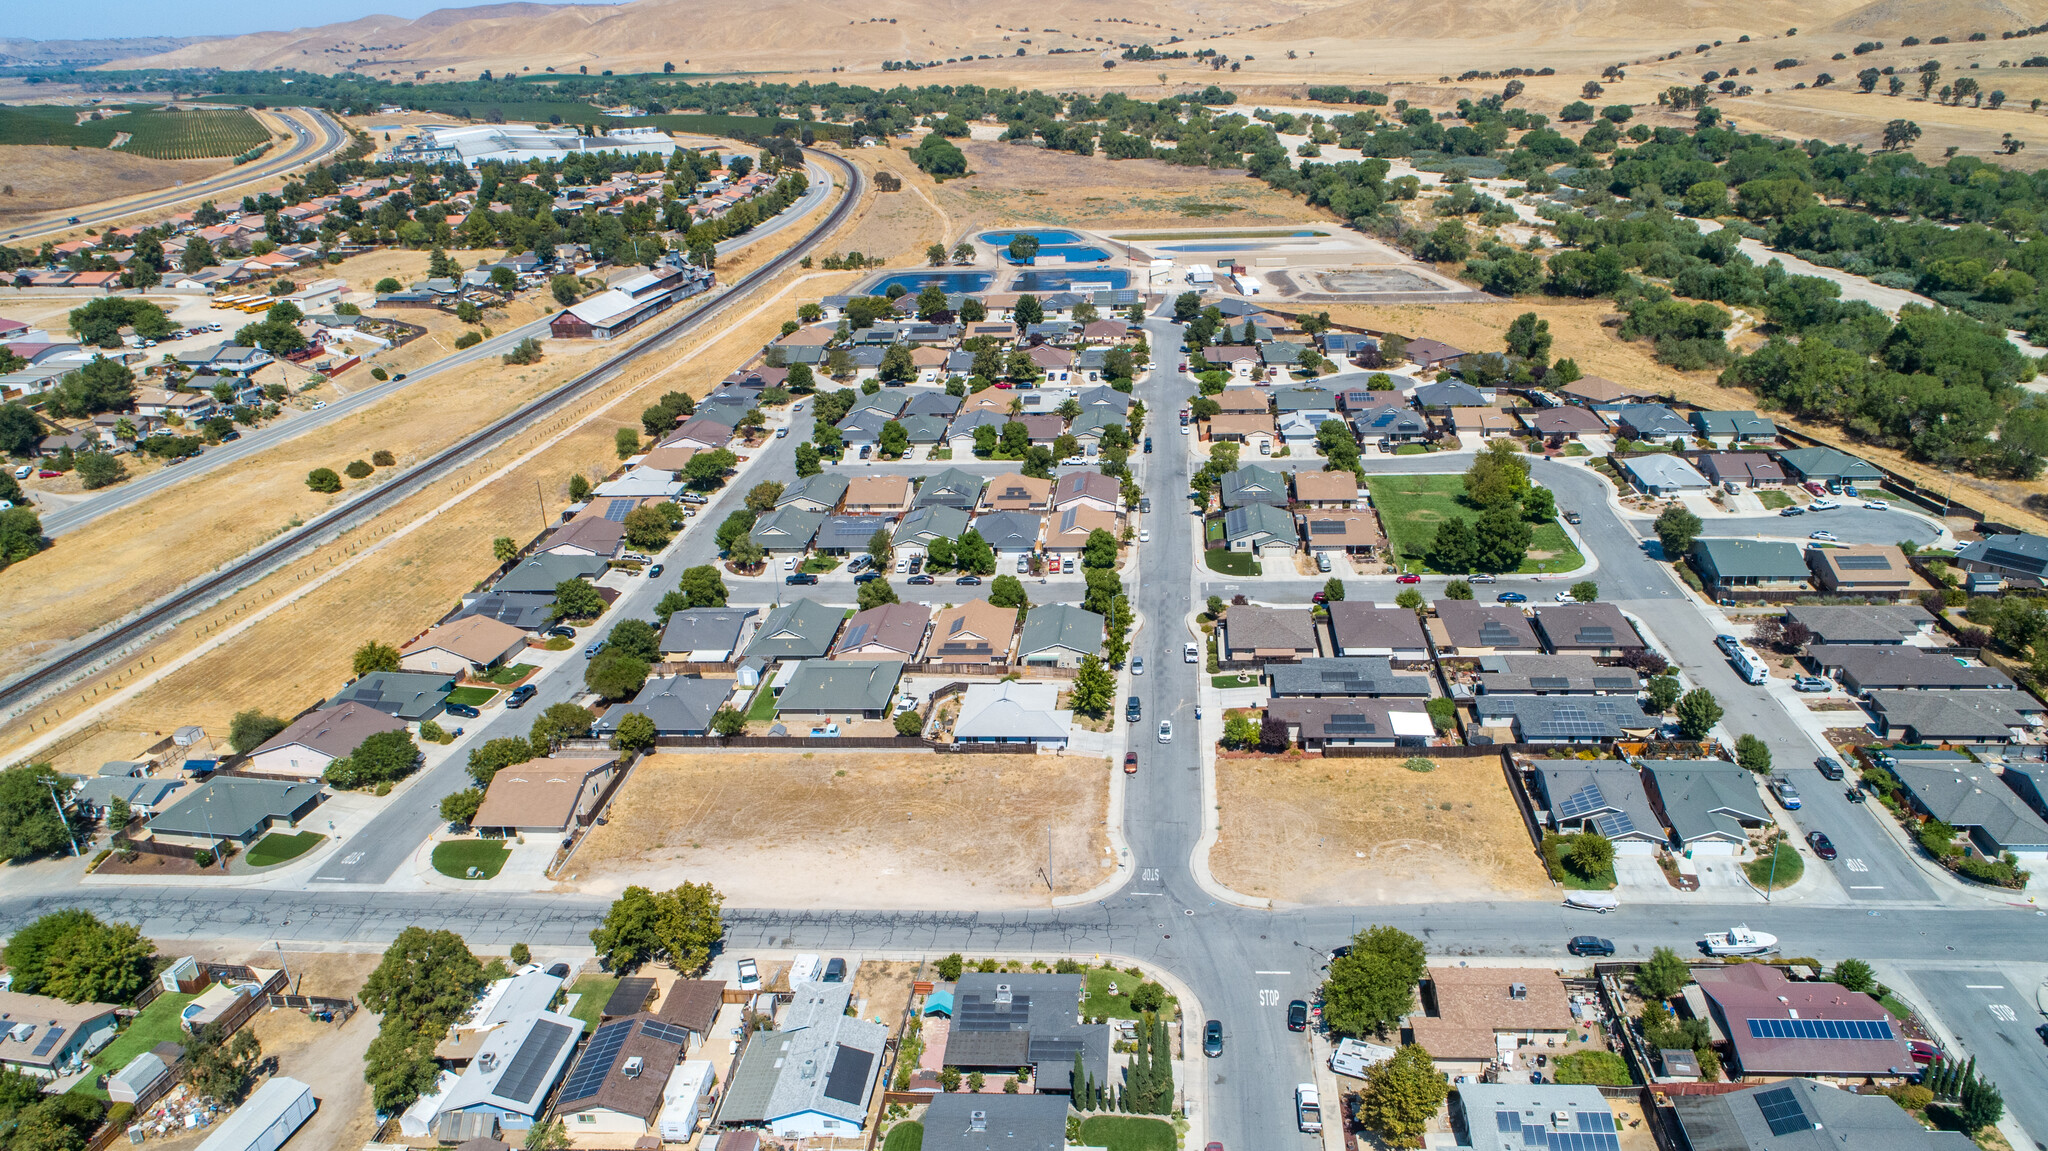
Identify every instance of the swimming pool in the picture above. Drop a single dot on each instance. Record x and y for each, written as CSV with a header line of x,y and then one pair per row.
x,y
1064,279
947,281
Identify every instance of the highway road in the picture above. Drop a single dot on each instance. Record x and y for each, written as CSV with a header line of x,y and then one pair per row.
x,y
315,137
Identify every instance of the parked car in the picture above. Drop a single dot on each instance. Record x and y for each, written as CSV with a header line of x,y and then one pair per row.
x,y
749,976
1824,536
1792,511
1511,597
1148,445
1191,653
1297,1015
1482,577
1821,844
1407,577
1564,597
867,577
461,709
1130,763
1571,517
858,564
1144,535
835,970
902,564
24,471
561,970
1830,767
591,651
1212,1045
51,474
921,580
520,695
656,570
1138,665
1925,1052
916,564
1810,683
1787,794
1320,598
1823,505
800,578
1590,945
561,631
1166,731
1067,566
1877,505
782,433
968,581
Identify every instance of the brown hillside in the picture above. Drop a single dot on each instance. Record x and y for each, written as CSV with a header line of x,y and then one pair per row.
x,y
1549,21
1952,18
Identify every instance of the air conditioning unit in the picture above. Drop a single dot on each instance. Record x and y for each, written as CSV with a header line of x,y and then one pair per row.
x,y
1560,1119
1518,991
487,1060
977,1120
632,1068
1002,993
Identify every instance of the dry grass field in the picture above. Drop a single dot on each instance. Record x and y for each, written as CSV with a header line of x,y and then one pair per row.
x,y
43,179
1011,185
855,829
1313,830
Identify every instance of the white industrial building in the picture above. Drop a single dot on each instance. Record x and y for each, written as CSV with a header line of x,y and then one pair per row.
x,y
517,143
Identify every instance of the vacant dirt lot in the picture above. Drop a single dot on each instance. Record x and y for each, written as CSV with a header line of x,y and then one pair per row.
x,y
1315,830
855,829
44,179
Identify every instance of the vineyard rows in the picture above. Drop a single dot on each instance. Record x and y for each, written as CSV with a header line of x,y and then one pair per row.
x,y
154,134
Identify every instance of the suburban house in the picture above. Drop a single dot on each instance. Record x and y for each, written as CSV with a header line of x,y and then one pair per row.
x,y
1067,531
976,631
1395,423
1260,634
704,634
821,493
1553,675
802,629
996,1122
587,535
1648,422
47,1038
1264,530
1501,1116
1255,430
1016,492
1326,491
1426,354
616,1085
1587,628
1567,423
853,687
2030,781
512,1074
1600,795
2015,557
1447,394
1087,489
1006,1020
1972,798
1804,1115
1878,571
678,705
1364,629
544,796
318,738
1966,717
1344,677
877,496
1252,484
1470,1014
1594,390
1564,719
234,809
1467,627
786,532
812,1076
885,631
1875,624
1481,423
410,696
1236,401
1743,469
845,535
1709,804
1828,466
1059,635
1010,531
1013,711
528,611
1317,724
538,574
693,1005
1776,1026
1864,668
1349,533
1664,474
1725,428
95,795
915,532
1725,565
470,643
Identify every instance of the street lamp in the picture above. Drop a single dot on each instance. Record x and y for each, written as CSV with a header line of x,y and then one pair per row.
x,y
62,818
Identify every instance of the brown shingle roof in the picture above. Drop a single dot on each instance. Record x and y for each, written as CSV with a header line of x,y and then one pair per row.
x,y
539,793
476,638
693,1003
1332,485
974,632
334,731
1473,1002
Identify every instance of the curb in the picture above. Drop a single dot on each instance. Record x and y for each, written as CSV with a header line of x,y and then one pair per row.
x,y
1212,825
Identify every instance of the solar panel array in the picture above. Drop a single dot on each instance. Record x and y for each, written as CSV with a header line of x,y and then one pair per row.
x,y
49,1042
2012,559
1575,721
977,1014
1349,725
1550,682
1582,801
666,1032
1601,634
847,1079
1820,1029
526,1076
1782,1111
1614,824
1599,1133
616,510
1493,634
1864,563
596,1061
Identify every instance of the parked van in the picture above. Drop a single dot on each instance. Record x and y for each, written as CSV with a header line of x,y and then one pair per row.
x,y
1191,652
1748,665
1322,561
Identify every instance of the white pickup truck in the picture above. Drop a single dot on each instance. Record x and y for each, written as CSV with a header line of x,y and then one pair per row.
x,y
1308,1111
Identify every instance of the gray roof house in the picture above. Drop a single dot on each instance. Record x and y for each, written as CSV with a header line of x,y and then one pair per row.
x,y
1252,484
2030,781
1396,422
953,488
678,705
819,493
1058,635
841,535
2011,556
1972,717
1263,529
1358,628
1603,795
1351,676
787,530
918,528
1733,427
1664,474
234,808
704,634
1588,628
1864,624
1565,719
861,687
1514,673
1010,531
1647,421
526,611
1805,1115
515,1069
923,428
1263,634
1733,563
1499,1116
802,629
1822,465
408,695
1706,801
1450,394
1880,667
1972,798
993,1122
1009,1020
538,574
815,1075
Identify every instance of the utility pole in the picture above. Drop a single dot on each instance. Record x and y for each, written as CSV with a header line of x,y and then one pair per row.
x,y
543,501
63,819
1048,859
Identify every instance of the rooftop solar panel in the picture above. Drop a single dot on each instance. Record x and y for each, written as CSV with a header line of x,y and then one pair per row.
x,y
1596,1121
1781,1109
1863,563
1602,635
1614,824
596,1061
615,510
1585,799
1507,1121
48,1042
1820,1029
848,1078
1549,682
666,1032
525,1077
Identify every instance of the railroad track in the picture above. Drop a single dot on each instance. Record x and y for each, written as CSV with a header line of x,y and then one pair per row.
x,y
166,611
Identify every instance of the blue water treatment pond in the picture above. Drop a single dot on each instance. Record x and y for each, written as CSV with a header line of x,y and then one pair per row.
x,y
1046,237
1063,279
947,281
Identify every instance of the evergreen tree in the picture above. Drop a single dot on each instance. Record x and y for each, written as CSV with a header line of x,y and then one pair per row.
x,y
1078,1082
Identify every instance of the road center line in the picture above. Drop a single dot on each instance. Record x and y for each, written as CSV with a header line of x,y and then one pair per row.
x,y
1985,986
1272,973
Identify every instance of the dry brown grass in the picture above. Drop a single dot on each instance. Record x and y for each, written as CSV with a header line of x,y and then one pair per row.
x,y
856,829
45,179
1313,830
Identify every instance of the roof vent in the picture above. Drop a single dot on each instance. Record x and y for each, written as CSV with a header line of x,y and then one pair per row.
x,y
810,1070
1002,993
487,1060
1518,991
632,1068
977,1120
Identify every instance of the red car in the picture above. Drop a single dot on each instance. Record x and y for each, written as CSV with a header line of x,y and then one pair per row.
x,y
47,474
1322,597
1130,763
1923,1051
1408,577
1821,844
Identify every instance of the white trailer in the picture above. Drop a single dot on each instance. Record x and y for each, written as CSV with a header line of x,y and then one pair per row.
x,y
1245,284
266,1119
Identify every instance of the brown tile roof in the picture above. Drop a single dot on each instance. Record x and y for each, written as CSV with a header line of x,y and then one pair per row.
x,y
891,627
973,632
596,534
1482,419
693,1003
1474,1002
1565,421
1331,485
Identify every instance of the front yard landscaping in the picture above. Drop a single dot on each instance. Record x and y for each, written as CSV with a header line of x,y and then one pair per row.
x,y
455,857
277,847
1412,506
1790,866
1231,563
1772,501
1128,1133
1115,1005
475,696
507,676
820,564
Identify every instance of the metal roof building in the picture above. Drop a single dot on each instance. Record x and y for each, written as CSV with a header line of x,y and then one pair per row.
x,y
813,1075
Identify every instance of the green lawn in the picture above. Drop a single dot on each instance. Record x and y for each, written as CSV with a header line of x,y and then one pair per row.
x,y
1774,500
1231,680
1411,507
158,1023
907,1136
510,675
1411,449
277,847
475,696
455,857
762,706
1128,1133
1100,1002
596,991
1791,865
820,564
1231,563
